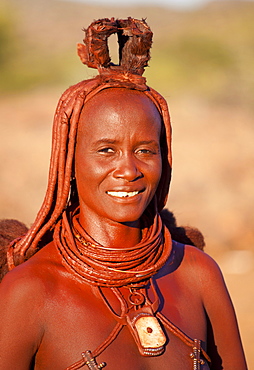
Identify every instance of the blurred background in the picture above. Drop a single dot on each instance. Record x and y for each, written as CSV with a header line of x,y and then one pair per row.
x,y
202,62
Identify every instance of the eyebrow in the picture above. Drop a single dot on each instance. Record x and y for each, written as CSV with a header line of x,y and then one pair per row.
x,y
106,141
114,141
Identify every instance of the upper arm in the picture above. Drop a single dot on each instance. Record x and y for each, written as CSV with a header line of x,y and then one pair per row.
x,y
224,342
20,323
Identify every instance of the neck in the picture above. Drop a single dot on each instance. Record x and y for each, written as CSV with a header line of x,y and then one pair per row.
x,y
114,267
111,234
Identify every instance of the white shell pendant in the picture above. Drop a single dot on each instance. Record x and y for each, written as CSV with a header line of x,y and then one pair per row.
x,y
147,333
150,332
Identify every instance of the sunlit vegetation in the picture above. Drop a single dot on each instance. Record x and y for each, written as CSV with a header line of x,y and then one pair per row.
x,y
207,51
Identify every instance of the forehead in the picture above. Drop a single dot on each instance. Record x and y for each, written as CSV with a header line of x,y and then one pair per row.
x,y
118,109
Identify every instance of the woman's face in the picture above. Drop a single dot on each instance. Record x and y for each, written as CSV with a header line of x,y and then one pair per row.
x,y
118,158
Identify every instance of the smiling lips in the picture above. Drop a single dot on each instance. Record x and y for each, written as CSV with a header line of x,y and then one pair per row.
x,y
123,194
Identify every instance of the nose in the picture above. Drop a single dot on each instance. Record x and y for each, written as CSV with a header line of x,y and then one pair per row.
x,y
127,168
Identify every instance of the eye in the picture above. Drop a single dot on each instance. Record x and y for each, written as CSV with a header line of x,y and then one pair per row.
x,y
145,151
148,151
106,150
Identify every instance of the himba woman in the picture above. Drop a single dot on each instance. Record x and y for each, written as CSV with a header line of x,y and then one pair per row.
x,y
98,280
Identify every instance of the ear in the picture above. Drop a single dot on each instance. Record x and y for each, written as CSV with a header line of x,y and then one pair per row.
x,y
82,53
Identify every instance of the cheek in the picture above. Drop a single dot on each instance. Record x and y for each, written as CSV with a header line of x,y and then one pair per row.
x,y
82,169
154,174
159,168
89,172
159,173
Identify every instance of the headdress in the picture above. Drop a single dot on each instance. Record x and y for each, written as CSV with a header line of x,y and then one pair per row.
x,y
135,40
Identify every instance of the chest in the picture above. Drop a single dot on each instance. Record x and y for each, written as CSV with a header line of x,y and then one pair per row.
x,y
77,319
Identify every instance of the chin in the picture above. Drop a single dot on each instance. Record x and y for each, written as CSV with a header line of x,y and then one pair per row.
x,y
129,218
128,215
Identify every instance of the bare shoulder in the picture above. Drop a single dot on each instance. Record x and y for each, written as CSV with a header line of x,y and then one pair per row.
x,y
199,272
207,276
28,279
223,330
24,295
203,266
199,257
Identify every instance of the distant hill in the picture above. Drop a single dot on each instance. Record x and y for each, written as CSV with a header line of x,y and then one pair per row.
x,y
208,51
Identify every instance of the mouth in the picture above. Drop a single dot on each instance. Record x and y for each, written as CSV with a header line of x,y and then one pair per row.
x,y
123,194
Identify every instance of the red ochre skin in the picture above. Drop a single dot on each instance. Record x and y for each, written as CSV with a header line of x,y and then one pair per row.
x,y
48,316
118,149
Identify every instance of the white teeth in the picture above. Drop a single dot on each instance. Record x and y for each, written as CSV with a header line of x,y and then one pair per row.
x,y
122,194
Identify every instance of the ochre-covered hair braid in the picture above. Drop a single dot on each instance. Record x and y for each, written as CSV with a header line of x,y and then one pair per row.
x,y
61,188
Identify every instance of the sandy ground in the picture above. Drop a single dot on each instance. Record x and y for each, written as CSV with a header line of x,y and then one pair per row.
x,y
212,186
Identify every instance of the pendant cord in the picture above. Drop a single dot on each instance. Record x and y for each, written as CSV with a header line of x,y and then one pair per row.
x,y
180,334
194,344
